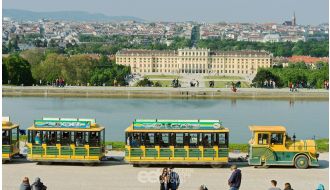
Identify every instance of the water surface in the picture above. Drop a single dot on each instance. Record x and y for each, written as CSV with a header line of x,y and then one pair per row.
x,y
305,118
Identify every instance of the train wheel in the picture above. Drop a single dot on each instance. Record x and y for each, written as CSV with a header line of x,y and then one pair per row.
x,y
301,162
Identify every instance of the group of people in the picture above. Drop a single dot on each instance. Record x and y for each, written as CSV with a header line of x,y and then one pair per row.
x,y
287,186
194,83
59,82
169,179
269,84
37,185
234,181
326,84
211,84
175,83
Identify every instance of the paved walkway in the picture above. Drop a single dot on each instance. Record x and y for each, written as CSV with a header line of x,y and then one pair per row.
x,y
126,177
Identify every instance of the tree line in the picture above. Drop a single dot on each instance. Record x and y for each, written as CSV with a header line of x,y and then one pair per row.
x,y
35,67
298,74
314,48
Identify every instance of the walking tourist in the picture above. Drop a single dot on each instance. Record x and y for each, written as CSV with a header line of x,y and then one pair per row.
x,y
287,186
234,181
38,185
164,180
274,183
25,185
290,86
174,181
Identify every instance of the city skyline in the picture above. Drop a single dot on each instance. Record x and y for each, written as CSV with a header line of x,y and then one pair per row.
x,y
254,11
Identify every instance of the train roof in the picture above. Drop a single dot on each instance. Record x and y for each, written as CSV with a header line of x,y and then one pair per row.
x,y
274,128
6,124
66,124
155,125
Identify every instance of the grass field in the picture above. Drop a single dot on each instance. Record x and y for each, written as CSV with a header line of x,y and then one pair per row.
x,y
322,145
164,83
162,76
222,84
224,77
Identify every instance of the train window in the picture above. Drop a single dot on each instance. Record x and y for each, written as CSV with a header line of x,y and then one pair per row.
x,y
65,140
193,140
207,140
164,140
36,137
263,138
102,134
94,139
79,139
277,138
150,139
5,137
186,139
14,135
223,139
45,139
52,138
135,139
178,140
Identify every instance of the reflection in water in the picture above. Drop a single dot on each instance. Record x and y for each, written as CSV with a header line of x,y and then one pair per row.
x,y
291,102
117,114
233,102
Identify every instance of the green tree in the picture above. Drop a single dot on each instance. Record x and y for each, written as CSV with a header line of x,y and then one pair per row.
x,y
4,74
19,70
264,75
145,82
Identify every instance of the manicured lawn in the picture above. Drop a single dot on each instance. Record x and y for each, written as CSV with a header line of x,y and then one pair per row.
x,y
222,84
224,77
164,83
162,76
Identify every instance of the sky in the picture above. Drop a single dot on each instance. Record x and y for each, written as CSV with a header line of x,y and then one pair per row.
x,y
253,11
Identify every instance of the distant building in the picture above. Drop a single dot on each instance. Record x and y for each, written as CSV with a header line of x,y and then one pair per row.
x,y
293,22
194,61
272,38
308,60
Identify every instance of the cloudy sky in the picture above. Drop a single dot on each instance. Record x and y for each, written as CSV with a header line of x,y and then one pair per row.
x,y
261,11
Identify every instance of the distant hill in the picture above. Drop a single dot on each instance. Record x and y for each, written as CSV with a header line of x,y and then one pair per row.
x,y
25,15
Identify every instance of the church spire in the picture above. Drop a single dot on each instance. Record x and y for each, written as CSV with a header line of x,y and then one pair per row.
x,y
294,19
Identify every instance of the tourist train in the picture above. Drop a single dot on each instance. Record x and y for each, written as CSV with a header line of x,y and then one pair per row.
x,y
147,142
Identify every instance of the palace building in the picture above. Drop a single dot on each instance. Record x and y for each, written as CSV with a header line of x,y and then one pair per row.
x,y
194,60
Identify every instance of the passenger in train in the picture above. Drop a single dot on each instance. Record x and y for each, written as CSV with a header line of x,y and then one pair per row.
x,y
46,139
37,139
79,140
206,141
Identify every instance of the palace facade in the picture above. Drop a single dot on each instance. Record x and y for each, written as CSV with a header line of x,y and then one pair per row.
x,y
194,60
